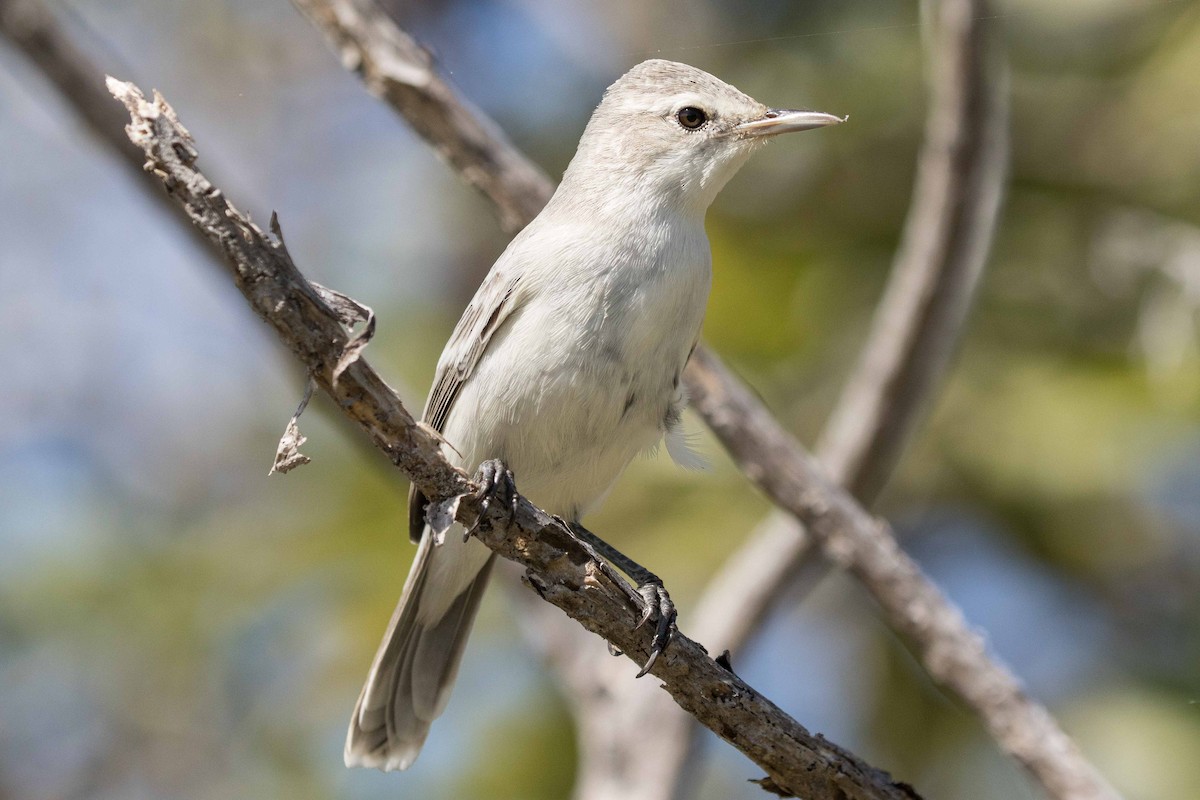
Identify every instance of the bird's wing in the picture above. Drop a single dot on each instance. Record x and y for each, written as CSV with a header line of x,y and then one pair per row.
x,y
496,298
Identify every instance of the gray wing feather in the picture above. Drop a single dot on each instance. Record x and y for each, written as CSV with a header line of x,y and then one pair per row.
x,y
494,301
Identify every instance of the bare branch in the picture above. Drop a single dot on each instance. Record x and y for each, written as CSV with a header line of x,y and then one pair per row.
x,y
560,568
956,202
27,24
398,70
32,29
954,655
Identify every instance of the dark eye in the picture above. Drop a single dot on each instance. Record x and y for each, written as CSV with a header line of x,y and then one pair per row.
x,y
691,117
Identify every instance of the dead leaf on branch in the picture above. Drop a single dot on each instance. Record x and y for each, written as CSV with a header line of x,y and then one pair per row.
x,y
288,455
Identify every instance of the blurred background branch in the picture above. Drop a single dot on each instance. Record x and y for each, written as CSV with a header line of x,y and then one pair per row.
x,y
398,70
961,174
31,28
955,656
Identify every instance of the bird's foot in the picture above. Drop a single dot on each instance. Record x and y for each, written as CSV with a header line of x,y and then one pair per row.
x,y
496,485
660,609
656,603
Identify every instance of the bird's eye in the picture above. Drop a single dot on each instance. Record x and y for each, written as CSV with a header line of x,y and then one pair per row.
x,y
691,117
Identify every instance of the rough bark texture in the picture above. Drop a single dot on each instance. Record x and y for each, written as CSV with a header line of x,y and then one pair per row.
x,y
560,568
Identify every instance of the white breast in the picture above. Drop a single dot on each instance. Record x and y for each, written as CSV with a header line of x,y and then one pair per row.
x,y
579,379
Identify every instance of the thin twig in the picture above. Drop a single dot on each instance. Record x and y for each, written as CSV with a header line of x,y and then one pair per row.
x,y
557,564
955,205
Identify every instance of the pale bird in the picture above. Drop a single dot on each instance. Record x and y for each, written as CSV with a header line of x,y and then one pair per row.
x,y
567,362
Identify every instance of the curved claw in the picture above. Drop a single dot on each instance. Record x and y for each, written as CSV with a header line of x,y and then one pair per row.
x,y
656,603
658,606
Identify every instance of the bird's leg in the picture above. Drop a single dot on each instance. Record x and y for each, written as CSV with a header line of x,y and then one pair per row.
x,y
495,482
657,602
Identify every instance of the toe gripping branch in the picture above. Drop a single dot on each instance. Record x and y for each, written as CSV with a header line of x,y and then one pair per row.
x,y
497,485
657,604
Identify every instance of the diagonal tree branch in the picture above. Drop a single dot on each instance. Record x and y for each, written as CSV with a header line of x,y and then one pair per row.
x,y
952,653
29,25
955,206
560,568
1020,726
397,69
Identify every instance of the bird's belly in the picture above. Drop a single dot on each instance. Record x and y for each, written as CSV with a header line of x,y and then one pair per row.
x,y
566,418
566,437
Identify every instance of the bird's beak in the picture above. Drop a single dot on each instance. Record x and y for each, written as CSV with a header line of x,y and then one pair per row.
x,y
786,120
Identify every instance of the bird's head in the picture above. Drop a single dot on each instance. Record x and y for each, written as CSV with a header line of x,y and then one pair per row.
x,y
669,130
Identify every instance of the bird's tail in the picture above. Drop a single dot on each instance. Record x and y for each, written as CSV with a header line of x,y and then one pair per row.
x,y
415,666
